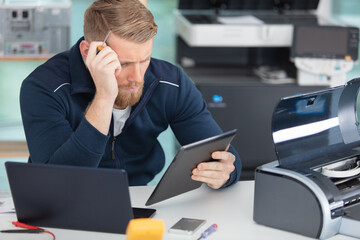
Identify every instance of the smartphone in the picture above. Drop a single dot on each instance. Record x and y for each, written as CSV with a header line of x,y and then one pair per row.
x,y
186,226
143,212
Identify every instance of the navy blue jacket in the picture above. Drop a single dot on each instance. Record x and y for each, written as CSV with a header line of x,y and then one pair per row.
x,y
54,97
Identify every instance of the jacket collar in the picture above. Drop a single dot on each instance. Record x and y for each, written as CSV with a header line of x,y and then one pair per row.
x,y
81,81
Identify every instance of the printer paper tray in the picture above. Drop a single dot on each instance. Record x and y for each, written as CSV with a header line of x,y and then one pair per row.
x,y
353,212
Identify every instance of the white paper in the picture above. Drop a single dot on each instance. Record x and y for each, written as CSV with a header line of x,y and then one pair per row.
x,y
244,19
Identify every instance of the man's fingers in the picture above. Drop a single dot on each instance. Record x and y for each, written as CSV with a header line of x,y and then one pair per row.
x,y
215,173
92,49
214,165
104,61
108,58
210,174
214,183
222,155
222,165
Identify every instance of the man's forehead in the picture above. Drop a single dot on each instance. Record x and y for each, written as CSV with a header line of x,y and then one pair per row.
x,y
129,50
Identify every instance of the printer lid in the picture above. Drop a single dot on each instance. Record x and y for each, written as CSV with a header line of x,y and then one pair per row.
x,y
317,128
249,4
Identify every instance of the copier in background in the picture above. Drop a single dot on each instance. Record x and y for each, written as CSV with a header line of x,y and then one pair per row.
x,y
314,187
240,55
34,28
324,54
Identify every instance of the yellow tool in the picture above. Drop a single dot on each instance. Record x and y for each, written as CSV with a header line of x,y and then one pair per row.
x,y
101,47
145,228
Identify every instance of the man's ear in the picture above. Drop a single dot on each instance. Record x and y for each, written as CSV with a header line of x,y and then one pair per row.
x,y
84,48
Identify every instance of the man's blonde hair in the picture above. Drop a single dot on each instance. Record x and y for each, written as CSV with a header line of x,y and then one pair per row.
x,y
128,19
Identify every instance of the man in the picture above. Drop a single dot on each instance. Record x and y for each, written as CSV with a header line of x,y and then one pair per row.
x,y
106,108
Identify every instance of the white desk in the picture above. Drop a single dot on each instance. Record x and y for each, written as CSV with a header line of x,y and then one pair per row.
x,y
230,208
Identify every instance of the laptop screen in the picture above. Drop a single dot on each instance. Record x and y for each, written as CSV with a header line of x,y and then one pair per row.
x,y
70,197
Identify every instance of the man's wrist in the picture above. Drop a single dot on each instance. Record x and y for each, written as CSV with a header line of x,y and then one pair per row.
x,y
99,113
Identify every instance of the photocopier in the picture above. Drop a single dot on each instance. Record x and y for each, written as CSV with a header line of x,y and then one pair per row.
x,y
313,189
241,56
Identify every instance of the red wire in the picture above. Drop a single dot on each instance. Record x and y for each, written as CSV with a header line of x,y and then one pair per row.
x,y
46,231
23,225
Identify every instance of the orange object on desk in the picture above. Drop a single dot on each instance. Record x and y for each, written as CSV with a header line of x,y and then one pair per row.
x,y
145,228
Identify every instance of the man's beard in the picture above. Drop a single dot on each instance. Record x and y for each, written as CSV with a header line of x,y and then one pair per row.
x,y
124,100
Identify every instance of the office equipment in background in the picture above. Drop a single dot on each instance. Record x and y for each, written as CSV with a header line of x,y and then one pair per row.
x,y
177,178
34,28
238,55
245,23
71,197
248,106
314,187
324,54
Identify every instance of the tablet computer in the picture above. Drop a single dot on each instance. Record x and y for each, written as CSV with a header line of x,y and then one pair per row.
x,y
177,178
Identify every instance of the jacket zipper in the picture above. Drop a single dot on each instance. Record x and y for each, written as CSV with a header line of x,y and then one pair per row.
x,y
139,107
113,148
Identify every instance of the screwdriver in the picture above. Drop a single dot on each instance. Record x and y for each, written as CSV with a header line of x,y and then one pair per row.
x,y
208,231
101,47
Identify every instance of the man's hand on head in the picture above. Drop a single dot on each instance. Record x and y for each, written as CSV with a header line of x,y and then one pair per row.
x,y
103,68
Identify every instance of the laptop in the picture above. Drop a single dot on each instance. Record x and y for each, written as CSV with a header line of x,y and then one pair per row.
x,y
72,197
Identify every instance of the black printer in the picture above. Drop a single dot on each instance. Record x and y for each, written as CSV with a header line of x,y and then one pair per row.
x,y
314,187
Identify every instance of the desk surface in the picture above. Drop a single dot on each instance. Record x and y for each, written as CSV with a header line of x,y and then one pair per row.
x,y
230,208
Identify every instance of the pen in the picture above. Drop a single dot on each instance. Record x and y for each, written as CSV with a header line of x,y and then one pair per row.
x,y
101,47
208,231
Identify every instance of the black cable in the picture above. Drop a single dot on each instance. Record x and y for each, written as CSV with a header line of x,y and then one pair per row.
x,y
23,231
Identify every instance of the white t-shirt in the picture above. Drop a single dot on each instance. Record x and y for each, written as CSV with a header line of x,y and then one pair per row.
x,y
120,117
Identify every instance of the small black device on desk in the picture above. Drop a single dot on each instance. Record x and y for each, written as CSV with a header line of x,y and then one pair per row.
x,y
186,226
72,197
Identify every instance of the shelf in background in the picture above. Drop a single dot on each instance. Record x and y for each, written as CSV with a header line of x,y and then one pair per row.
x,y
33,58
13,149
